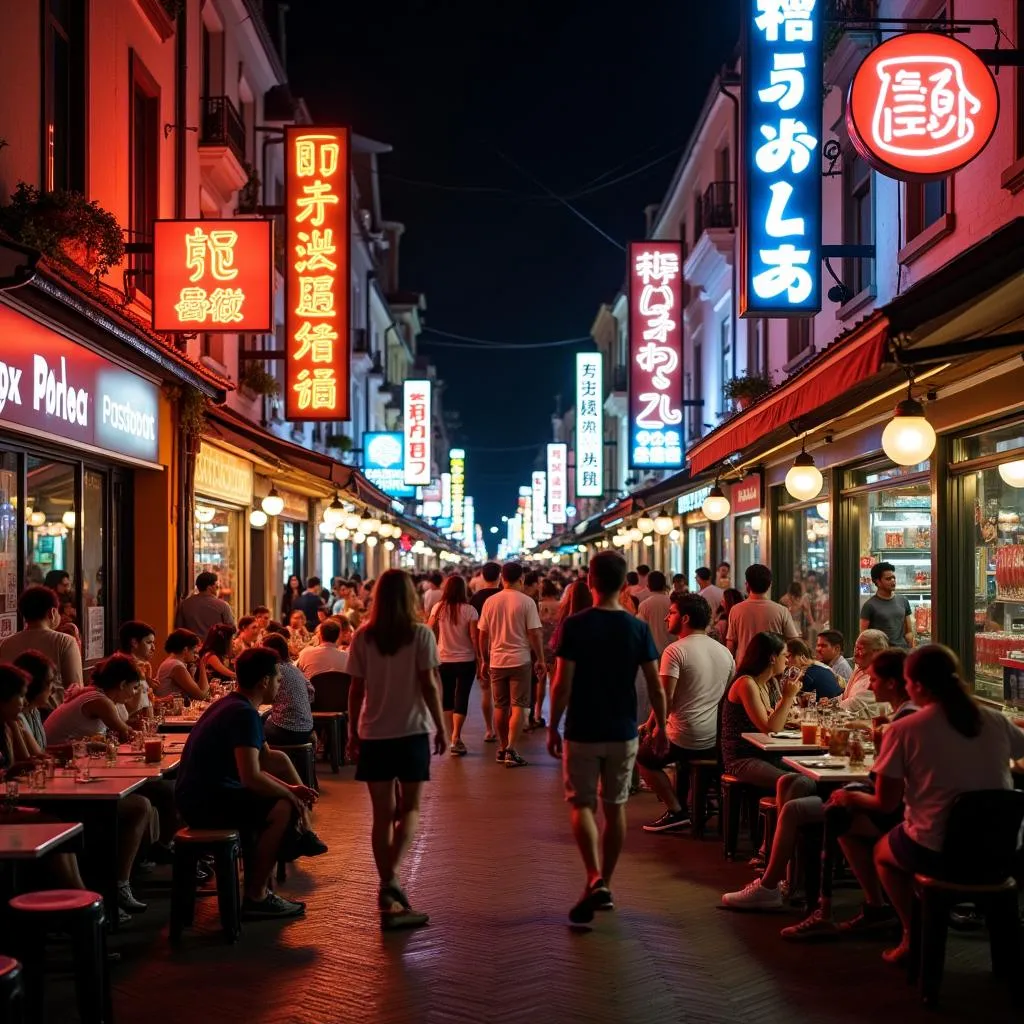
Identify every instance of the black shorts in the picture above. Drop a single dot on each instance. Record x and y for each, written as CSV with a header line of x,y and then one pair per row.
x,y
228,808
647,758
406,759
912,857
456,682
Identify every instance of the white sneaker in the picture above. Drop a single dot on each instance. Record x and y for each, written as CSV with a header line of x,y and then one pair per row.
x,y
754,897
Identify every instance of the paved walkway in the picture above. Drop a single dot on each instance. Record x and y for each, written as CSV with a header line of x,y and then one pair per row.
x,y
495,867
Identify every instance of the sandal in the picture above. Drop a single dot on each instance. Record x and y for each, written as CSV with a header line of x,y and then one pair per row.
x,y
404,916
491,737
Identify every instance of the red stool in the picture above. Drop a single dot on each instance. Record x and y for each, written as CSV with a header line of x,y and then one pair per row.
x,y
12,991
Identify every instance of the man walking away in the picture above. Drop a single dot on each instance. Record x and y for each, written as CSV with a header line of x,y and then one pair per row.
x,y
487,587
712,594
655,610
509,630
640,590
599,654
758,614
203,610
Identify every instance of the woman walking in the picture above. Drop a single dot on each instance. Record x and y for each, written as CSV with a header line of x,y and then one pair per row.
x,y
394,699
453,620
292,591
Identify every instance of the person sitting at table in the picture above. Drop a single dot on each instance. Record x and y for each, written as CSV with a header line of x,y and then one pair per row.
x,y
182,672
230,778
346,634
814,677
857,698
249,633
215,652
41,673
298,634
950,746
290,720
853,829
93,711
325,656
138,640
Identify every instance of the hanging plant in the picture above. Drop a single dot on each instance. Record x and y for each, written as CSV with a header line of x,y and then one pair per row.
x,y
191,411
65,226
256,379
747,388
249,193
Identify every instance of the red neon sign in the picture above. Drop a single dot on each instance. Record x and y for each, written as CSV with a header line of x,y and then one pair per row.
x,y
213,276
921,106
317,227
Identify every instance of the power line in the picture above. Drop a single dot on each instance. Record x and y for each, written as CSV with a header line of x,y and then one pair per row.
x,y
482,345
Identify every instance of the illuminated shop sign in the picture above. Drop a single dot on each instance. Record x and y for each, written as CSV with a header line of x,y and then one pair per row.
x,y
384,463
655,355
589,426
457,497
317,314
921,106
416,430
780,251
213,276
558,482
539,486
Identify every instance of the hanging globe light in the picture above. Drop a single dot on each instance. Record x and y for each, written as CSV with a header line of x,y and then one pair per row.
x,y
635,535
1012,473
37,519
645,524
342,534
389,545
803,481
258,518
204,513
359,537
648,541
68,519
755,523
374,525
371,541
674,535
364,525
273,503
351,522
716,505
334,514
663,525
325,529
908,438
823,509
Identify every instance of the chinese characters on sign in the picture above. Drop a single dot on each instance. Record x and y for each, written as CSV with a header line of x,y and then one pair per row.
x,y
526,516
417,432
558,483
457,468
213,276
655,349
921,105
317,295
589,426
781,233
538,481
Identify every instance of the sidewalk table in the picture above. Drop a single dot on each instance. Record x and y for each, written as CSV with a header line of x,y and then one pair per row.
x,y
30,842
172,745
95,805
780,745
127,769
834,777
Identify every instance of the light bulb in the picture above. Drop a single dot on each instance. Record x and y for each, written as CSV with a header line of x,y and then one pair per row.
x,y
364,525
342,534
803,481
273,503
204,514
646,524
389,545
755,523
325,529
581,548
374,525
350,522
68,519
334,514
359,537
716,505
617,540
258,518
371,541
663,525
635,535
908,438
648,541
37,519
674,535
823,509
1012,473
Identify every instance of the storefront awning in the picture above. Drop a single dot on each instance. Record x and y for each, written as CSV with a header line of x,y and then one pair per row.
x,y
852,359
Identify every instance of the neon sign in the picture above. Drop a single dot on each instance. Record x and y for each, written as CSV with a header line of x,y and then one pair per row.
x,y
558,482
317,228
417,431
457,470
589,426
921,106
780,251
384,463
655,351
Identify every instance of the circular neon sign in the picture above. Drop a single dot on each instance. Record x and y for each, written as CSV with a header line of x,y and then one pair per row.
x,y
921,105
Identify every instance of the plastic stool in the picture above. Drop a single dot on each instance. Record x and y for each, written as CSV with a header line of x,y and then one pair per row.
x,y
12,991
189,845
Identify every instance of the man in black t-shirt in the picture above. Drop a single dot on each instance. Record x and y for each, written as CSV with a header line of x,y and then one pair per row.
x,y
491,573
598,654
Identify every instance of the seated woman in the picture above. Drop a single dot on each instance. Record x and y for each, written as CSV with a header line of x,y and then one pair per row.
x,y
298,635
951,746
42,677
94,711
290,720
182,673
814,677
215,652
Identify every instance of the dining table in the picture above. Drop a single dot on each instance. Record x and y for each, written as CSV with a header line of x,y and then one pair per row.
x,y
830,771
24,841
786,742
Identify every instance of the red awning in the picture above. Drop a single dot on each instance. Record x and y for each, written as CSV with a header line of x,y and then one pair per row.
x,y
848,361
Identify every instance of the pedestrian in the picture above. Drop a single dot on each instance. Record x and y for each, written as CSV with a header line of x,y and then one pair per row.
x,y
510,631
757,614
394,700
453,621
654,610
291,592
639,589
487,587
599,653
309,602
204,609
711,593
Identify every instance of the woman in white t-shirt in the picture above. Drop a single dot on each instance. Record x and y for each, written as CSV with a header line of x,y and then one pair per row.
x,y
394,699
453,621
951,746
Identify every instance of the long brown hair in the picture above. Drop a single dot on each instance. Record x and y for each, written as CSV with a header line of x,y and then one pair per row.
x,y
579,600
936,669
453,595
391,624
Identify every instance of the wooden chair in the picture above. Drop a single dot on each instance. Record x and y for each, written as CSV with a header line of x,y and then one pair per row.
x,y
979,858
330,713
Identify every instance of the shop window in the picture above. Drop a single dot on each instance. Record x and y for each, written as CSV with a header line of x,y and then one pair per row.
x,y
926,205
94,585
748,544
144,152
64,94
217,544
8,544
857,220
52,522
799,337
757,346
726,368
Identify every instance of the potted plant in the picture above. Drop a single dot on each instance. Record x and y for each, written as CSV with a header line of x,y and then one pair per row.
x,y
249,193
64,226
255,380
747,388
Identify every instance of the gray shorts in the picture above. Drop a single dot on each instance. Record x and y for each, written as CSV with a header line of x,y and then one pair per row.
x,y
586,765
512,686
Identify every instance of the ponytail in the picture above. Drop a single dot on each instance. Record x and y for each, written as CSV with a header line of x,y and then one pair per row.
x,y
115,670
936,669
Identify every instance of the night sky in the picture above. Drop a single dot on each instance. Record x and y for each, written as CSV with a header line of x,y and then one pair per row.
x,y
577,93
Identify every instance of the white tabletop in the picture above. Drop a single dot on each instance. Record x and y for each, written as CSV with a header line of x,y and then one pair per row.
x,y
811,767
66,788
780,745
172,745
30,842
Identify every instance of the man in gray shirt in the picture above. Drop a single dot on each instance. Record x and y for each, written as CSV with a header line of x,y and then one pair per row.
x,y
887,612
757,614
203,609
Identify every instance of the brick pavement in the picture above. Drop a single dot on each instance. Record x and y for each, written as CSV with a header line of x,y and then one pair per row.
x,y
495,867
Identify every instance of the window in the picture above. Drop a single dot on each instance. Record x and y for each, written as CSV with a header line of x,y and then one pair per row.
x,y
757,346
64,94
926,205
726,367
800,337
144,153
857,220
697,393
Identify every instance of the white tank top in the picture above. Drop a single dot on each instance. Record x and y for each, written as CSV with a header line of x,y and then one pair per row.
x,y
69,721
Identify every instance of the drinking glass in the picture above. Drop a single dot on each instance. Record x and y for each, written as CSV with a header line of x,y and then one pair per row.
x,y
51,767
39,778
12,790
139,744
111,751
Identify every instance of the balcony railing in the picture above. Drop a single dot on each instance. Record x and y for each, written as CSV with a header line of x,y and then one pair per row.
x,y
223,126
717,209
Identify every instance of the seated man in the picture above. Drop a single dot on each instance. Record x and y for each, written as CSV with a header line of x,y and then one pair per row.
x,y
249,634
324,656
230,778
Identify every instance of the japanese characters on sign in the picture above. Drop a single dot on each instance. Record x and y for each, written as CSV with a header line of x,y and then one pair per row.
x,y
780,251
457,471
384,463
213,276
526,516
539,487
921,105
589,426
468,521
655,350
317,228
417,431
557,483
